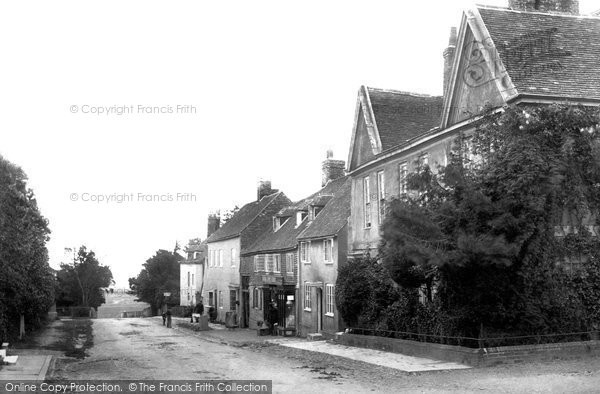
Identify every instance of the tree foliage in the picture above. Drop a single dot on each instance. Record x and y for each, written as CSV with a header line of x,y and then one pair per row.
x,y
505,230
363,290
228,214
81,281
26,279
159,275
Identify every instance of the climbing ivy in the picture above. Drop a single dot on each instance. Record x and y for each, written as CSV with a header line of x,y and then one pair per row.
x,y
505,232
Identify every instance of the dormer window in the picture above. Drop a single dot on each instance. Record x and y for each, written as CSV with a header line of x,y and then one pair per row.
x,y
300,216
315,211
278,222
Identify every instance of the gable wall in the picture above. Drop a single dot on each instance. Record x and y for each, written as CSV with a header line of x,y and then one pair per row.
x,y
475,84
363,151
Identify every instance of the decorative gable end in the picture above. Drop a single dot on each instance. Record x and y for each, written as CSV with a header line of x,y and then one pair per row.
x,y
478,77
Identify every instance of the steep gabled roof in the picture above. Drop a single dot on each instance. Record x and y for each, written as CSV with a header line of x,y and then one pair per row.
x,y
242,219
400,116
286,237
387,118
333,217
547,54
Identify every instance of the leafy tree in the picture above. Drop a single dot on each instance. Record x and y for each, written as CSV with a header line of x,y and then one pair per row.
x,y
228,214
80,282
485,225
26,279
159,275
363,290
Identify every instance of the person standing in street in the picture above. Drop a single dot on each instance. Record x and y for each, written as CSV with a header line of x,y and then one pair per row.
x,y
273,318
168,313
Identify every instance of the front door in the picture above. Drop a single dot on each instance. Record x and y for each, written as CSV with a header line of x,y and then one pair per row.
x,y
319,310
246,306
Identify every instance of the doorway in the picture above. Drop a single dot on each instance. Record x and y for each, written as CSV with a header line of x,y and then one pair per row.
x,y
319,309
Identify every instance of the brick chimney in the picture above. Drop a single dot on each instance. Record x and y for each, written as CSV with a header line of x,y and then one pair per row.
x,y
264,189
213,223
449,58
566,6
332,169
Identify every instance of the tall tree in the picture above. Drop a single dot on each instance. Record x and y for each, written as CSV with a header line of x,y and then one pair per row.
x,y
26,279
160,275
80,282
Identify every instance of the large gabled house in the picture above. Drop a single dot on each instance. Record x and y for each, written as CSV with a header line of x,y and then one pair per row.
x,y
224,289
530,53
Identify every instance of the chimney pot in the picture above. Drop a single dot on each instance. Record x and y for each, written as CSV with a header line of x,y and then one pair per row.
x,y
264,189
565,6
332,169
449,58
213,223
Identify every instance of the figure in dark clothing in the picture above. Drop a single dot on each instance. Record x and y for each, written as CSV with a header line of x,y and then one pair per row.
x,y
168,313
164,316
198,311
273,318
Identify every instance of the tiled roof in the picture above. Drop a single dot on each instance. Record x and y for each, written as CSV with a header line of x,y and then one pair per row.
x,y
333,217
547,54
201,247
242,219
285,237
401,116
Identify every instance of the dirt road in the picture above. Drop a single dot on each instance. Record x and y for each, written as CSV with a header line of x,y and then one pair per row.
x,y
144,349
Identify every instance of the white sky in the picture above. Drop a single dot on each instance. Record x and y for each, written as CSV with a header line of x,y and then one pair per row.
x,y
274,85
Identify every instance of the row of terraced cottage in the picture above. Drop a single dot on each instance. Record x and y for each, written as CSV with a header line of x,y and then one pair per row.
x,y
274,250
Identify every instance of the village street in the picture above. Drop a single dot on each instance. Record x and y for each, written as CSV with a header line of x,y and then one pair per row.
x,y
145,349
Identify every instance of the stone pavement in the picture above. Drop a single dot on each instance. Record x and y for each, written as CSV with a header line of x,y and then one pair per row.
x,y
218,333
377,357
28,367
246,337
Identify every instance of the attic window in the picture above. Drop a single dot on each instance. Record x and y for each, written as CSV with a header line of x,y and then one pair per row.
x,y
316,210
300,216
278,222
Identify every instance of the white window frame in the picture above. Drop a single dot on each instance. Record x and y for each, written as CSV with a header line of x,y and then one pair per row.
x,y
269,263
260,263
403,178
289,263
380,196
305,252
233,256
329,299
367,201
220,257
307,298
277,263
328,244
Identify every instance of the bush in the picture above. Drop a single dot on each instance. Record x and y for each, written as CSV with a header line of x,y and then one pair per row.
x,y
364,289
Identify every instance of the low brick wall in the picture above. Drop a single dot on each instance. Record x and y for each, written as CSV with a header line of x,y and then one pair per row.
x,y
473,357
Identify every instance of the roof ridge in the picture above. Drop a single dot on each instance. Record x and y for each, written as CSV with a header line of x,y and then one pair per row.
x,y
273,196
404,92
551,13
